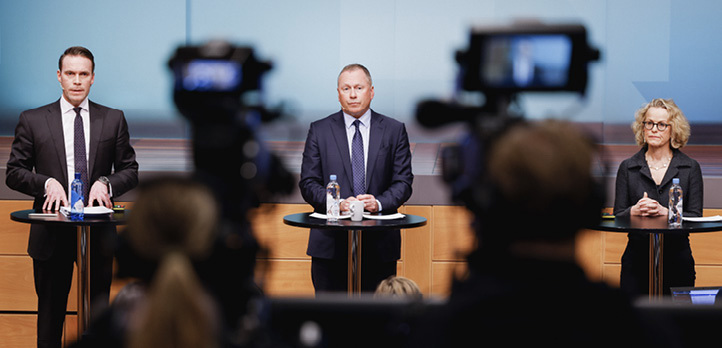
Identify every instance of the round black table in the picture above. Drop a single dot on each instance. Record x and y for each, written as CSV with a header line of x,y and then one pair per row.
x,y
83,254
354,228
656,227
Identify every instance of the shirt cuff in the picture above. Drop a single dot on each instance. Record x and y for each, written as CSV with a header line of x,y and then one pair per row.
x,y
45,187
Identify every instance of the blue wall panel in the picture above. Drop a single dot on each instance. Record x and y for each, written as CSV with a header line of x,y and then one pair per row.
x,y
649,49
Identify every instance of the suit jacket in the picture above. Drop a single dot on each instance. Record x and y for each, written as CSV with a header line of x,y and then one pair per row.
x,y
634,178
388,178
38,153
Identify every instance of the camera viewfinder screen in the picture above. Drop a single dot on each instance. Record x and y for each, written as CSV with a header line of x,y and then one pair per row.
x,y
206,75
526,61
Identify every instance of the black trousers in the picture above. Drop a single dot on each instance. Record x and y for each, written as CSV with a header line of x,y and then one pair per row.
x,y
331,275
53,278
677,264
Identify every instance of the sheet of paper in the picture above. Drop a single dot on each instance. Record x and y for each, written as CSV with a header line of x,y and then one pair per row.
x,y
88,210
384,217
703,219
323,216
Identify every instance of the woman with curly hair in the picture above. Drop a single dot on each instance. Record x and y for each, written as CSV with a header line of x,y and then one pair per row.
x,y
642,189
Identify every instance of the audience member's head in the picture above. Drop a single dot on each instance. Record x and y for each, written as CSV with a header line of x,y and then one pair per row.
x,y
398,287
543,190
172,214
173,222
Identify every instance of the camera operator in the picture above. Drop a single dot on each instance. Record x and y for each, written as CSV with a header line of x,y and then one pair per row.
x,y
523,286
531,190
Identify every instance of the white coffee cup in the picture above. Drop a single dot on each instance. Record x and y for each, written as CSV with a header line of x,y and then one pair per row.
x,y
357,210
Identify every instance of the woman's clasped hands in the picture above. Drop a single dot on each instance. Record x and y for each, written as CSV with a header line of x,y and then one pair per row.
x,y
648,207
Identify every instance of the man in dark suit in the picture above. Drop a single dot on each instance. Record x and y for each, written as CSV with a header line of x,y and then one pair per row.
x,y
49,147
370,155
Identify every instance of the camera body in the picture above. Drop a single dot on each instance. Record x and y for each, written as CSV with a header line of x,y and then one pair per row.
x,y
217,87
524,57
212,81
500,62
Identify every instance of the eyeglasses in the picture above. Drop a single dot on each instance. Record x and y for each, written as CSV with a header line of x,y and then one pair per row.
x,y
660,126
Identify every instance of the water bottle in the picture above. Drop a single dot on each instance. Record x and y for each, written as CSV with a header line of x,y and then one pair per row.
x,y
675,205
333,199
76,199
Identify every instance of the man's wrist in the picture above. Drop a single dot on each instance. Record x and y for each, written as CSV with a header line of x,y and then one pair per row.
x,y
104,180
45,187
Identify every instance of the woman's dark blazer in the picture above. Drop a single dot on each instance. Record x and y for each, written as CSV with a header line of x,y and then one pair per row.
x,y
634,178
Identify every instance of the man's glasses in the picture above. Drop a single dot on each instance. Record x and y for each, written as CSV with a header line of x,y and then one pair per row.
x,y
660,126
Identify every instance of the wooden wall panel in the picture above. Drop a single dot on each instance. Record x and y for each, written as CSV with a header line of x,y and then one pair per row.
x,y
70,330
281,240
614,244
285,277
14,235
17,330
416,249
610,274
706,248
708,275
589,253
443,272
17,289
453,237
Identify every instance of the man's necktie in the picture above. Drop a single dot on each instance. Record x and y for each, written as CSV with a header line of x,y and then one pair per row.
x,y
81,162
357,162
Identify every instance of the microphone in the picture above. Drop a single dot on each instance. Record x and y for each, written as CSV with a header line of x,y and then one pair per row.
x,y
433,113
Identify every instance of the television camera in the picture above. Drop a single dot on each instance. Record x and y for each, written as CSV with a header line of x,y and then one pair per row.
x,y
217,87
501,62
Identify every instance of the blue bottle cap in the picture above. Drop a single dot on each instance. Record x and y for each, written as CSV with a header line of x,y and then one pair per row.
x,y
675,181
77,175
333,177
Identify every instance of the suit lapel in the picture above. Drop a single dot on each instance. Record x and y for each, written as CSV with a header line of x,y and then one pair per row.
x,y
97,116
672,169
640,162
55,127
376,133
338,129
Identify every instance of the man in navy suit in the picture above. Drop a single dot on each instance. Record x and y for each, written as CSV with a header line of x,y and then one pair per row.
x,y
372,161
42,164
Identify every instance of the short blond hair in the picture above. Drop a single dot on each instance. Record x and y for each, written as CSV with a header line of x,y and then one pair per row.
x,y
394,286
356,66
173,214
679,126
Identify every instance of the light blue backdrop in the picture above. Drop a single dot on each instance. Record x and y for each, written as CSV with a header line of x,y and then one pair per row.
x,y
650,48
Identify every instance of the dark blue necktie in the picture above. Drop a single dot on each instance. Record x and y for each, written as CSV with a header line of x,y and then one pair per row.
x,y
357,162
81,163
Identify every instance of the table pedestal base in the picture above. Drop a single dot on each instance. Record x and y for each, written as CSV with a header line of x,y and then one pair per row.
x,y
656,252
354,262
82,264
